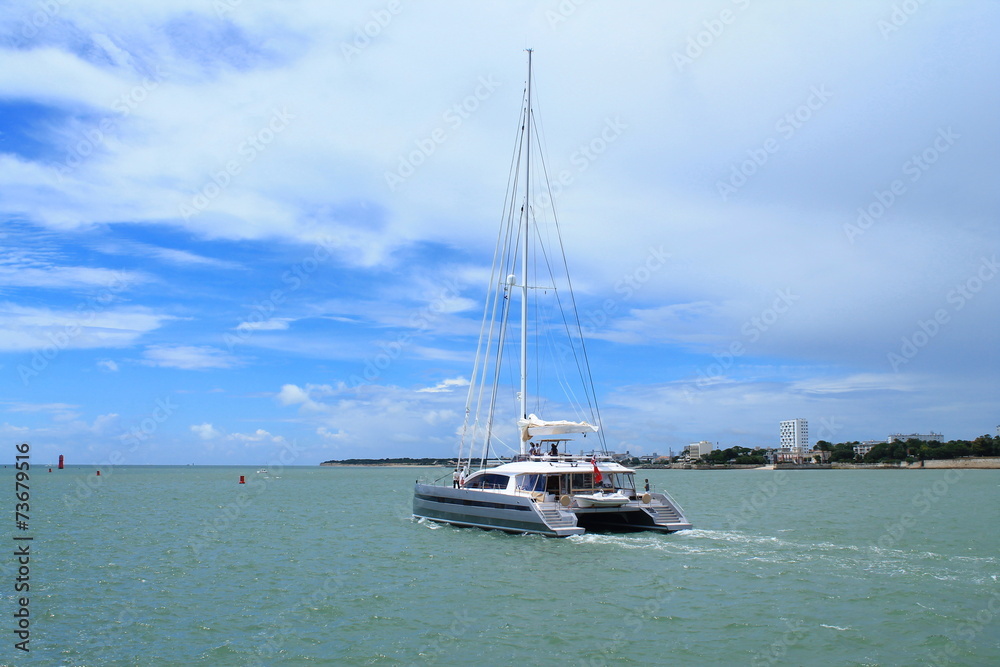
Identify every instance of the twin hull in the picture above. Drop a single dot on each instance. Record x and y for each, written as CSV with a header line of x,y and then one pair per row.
x,y
524,514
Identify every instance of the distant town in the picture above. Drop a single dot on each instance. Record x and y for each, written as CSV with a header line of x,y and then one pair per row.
x,y
794,449
900,449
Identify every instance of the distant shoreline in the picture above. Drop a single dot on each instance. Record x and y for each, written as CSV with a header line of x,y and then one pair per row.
x,y
381,465
968,463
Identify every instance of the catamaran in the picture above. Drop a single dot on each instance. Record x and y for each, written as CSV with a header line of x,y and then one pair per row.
x,y
537,477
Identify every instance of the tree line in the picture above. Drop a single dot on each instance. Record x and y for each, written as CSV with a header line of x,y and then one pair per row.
x,y
396,461
738,455
913,450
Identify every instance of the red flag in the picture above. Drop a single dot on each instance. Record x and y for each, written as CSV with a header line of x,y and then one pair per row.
x,y
597,473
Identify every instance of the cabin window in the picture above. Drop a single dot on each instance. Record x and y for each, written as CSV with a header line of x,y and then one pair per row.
x,y
531,482
552,485
582,481
618,480
488,481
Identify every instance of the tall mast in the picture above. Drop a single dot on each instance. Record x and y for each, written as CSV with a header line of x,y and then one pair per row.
x,y
524,258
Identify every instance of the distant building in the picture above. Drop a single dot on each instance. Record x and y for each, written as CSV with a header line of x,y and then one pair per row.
x,y
794,435
793,444
903,437
698,449
866,446
800,456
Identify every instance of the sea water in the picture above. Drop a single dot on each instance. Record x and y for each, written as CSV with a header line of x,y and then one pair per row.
x,y
324,565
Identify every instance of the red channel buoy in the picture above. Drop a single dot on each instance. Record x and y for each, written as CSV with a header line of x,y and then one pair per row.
x,y
60,461
98,473
243,479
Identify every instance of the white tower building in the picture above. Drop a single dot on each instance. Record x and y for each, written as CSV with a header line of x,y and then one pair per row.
x,y
794,435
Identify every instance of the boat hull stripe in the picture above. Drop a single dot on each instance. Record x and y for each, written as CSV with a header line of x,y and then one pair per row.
x,y
471,503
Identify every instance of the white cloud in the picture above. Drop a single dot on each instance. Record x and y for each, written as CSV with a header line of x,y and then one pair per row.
x,y
380,420
205,431
863,382
105,424
291,394
69,80
446,385
61,277
57,411
90,325
258,437
272,324
188,357
170,255
434,417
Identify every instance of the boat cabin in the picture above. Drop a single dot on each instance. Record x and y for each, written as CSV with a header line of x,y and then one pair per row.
x,y
550,485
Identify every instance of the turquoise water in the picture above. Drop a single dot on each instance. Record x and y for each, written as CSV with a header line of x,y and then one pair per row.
x,y
173,566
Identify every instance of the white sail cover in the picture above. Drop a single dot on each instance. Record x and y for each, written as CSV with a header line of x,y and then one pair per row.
x,y
534,426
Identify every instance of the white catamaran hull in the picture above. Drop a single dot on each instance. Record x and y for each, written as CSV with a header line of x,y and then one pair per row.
x,y
523,514
485,509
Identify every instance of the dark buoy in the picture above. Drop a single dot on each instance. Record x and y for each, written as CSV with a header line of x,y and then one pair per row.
x,y
60,461
243,479
98,473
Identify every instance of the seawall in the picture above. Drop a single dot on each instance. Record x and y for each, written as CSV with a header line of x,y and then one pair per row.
x,y
970,462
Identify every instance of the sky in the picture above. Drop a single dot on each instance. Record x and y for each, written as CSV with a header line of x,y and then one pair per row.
x,y
260,232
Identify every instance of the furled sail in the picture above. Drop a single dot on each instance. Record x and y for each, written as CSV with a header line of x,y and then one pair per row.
x,y
533,426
